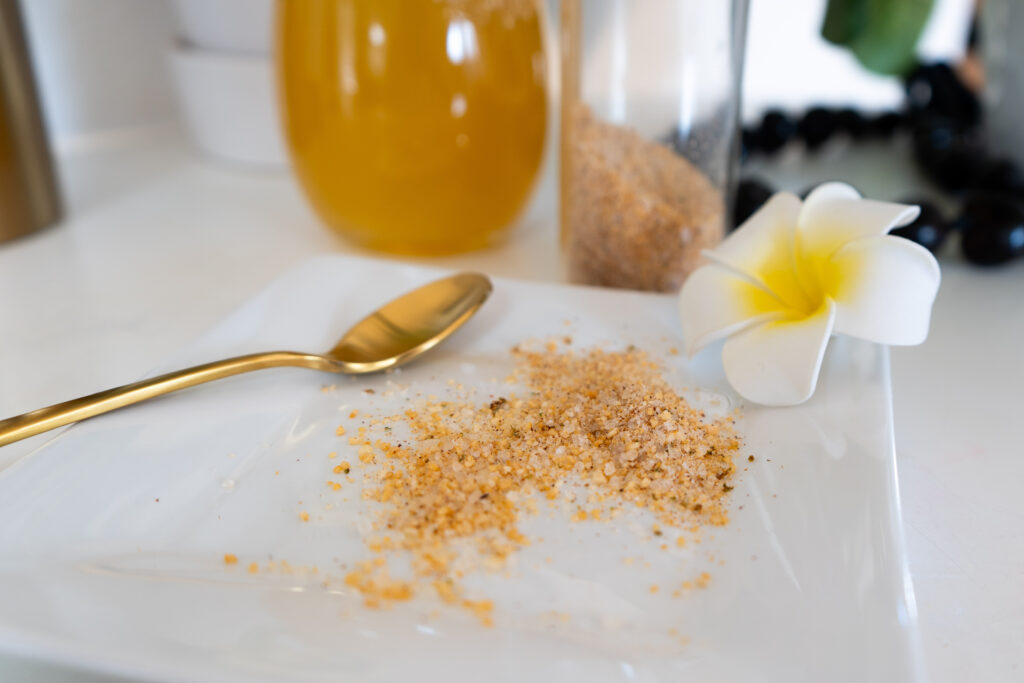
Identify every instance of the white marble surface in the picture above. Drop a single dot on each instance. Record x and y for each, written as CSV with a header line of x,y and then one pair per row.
x,y
159,246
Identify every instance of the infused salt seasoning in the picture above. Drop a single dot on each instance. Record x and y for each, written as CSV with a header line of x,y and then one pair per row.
x,y
598,432
638,213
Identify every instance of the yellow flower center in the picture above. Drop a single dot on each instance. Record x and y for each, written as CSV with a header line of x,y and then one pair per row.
x,y
802,282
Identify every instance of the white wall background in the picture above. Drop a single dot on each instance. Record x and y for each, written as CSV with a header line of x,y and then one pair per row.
x,y
101,64
789,65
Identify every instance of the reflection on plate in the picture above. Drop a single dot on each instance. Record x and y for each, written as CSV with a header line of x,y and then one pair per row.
x,y
114,534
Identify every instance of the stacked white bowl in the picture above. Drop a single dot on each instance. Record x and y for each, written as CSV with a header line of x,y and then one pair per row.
x,y
223,74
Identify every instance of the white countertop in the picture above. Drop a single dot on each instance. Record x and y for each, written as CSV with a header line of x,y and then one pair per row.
x,y
159,245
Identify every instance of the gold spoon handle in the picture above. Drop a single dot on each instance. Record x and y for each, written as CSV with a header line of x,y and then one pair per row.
x,y
44,419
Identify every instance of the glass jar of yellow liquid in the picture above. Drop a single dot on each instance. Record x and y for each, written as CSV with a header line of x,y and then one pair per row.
x,y
414,126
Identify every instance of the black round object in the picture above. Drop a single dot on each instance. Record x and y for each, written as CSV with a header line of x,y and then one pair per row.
x,y
750,142
958,168
929,229
934,133
817,126
775,131
885,124
936,89
948,156
993,229
851,122
1001,175
993,247
751,193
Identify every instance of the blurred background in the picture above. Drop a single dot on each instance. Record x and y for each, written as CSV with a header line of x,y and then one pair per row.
x,y
200,75
114,67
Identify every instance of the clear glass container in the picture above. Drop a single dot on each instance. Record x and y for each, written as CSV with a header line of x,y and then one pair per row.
x,y
649,136
414,126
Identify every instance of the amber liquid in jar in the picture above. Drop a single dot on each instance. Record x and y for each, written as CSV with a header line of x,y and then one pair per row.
x,y
414,126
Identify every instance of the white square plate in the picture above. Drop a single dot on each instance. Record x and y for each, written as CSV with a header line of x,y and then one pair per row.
x,y
113,534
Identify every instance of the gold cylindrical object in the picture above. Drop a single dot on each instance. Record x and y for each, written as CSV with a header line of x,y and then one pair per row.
x,y
29,198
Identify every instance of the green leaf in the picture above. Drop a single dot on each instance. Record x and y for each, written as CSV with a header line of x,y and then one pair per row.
x,y
844,19
881,34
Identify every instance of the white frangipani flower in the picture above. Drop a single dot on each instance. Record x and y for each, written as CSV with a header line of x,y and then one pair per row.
x,y
795,273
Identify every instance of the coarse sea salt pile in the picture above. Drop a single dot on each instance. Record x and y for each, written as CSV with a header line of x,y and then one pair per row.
x,y
598,430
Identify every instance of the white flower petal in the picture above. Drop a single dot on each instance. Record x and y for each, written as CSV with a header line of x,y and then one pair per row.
x,y
715,302
777,363
884,288
829,191
834,214
763,248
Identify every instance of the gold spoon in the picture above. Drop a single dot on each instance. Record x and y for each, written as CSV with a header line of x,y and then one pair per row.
x,y
394,334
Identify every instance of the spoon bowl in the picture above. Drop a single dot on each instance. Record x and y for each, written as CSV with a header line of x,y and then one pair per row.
x,y
392,335
411,324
